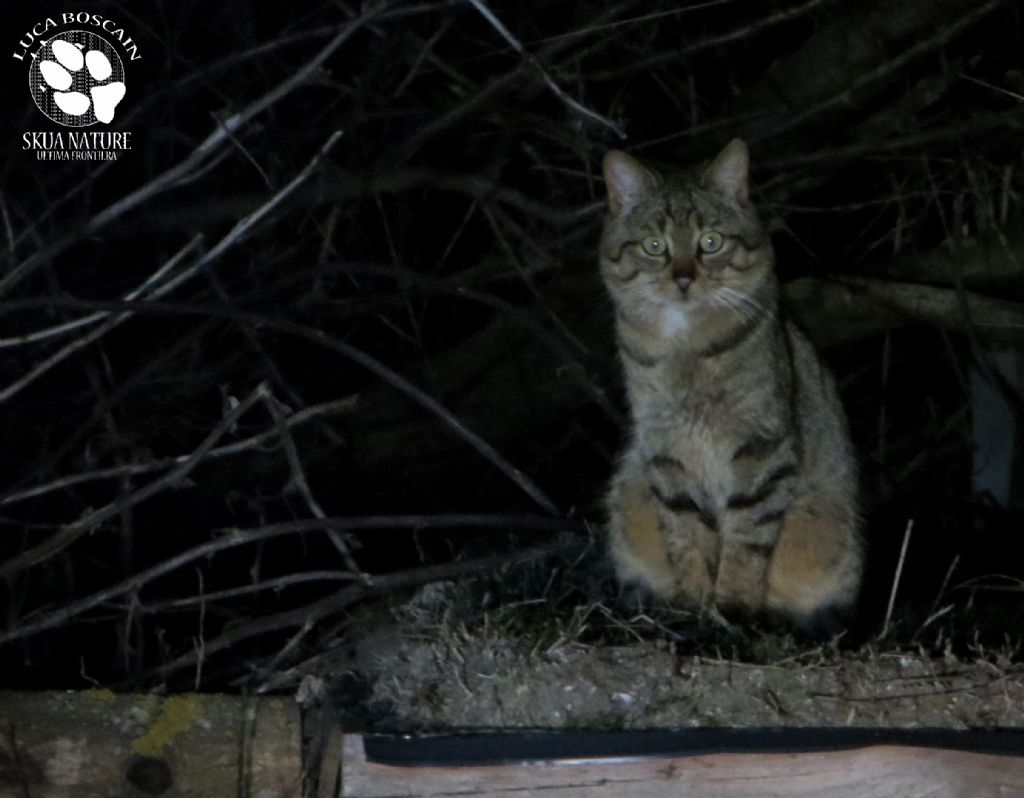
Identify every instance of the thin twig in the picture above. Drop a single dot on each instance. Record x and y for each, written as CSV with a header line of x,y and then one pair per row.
x,y
558,91
293,642
942,587
992,86
298,476
886,69
484,95
367,361
199,644
275,585
233,236
72,532
74,324
303,416
45,365
238,537
677,55
896,578
336,602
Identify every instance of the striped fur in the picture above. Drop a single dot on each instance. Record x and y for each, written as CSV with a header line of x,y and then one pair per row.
x,y
738,485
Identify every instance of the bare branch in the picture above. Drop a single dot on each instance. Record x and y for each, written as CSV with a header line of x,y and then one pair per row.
x,y
299,479
188,168
225,243
499,26
72,532
238,537
375,585
853,308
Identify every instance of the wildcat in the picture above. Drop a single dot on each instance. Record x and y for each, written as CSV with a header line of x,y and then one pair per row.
x,y
738,486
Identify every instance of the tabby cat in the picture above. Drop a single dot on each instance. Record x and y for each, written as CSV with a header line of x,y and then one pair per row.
x,y
738,487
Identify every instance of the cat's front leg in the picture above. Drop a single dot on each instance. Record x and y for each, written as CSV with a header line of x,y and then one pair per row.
x,y
688,525
751,525
692,548
665,549
635,540
741,583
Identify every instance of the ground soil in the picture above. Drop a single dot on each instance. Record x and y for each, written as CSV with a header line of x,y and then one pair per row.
x,y
418,670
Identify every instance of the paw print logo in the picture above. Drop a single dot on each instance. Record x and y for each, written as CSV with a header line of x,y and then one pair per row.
x,y
77,79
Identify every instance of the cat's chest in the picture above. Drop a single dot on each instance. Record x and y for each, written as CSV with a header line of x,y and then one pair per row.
x,y
682,395
695,434
701,424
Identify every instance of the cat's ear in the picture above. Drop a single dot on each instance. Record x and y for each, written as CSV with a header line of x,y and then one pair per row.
x,y
729,172
628,180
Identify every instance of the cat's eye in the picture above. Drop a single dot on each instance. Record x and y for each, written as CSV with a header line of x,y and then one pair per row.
x,y
653,246
711,241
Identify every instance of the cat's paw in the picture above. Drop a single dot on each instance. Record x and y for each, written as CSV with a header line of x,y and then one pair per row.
x,y
633,599
823,623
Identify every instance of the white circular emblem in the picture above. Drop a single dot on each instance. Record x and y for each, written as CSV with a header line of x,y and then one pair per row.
x,y
77,79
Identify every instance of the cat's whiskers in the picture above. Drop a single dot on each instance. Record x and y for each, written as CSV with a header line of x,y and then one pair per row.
x,y
719,299
745,305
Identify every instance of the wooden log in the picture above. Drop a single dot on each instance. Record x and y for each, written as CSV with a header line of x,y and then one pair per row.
x,y
97,744
834,312
870,772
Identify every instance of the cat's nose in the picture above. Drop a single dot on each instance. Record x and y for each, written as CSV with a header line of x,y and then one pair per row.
x,y
683,272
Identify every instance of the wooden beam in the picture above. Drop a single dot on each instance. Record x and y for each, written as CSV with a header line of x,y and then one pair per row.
x,y
872,772
96,744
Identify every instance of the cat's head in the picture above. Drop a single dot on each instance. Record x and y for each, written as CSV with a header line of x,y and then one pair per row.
x,y
678,253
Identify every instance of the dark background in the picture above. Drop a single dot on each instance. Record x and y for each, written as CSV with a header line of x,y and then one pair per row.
x,y
423,310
